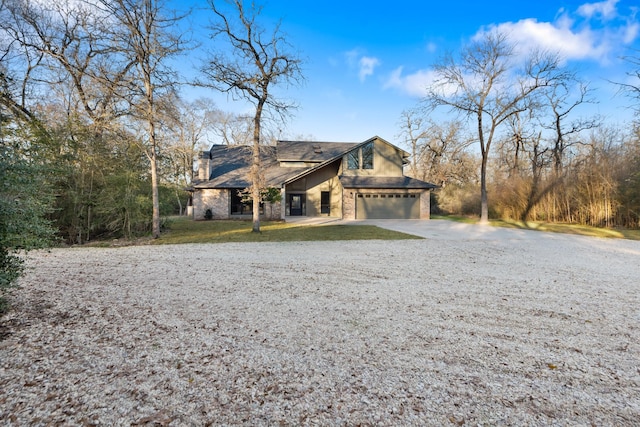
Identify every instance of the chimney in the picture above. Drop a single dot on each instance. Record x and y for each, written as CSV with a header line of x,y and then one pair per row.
x,y
204,166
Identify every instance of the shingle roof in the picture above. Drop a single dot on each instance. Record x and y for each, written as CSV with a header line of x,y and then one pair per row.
x,y
394,182
312,151
231,165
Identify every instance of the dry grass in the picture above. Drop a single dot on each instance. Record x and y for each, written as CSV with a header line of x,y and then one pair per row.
x,y
184,230
576,229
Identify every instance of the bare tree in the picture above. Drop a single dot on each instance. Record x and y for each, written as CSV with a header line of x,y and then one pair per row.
x,y
413,132
258,60
69,75
67,46
632,88
148,35
234,129
437,148
565,133
539,140
484,84
187,128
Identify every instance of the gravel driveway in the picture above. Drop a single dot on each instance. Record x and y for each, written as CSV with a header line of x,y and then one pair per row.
x,y
470,326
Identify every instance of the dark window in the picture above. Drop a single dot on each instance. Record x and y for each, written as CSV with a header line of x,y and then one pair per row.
x,y
353,161
367,156
242,204
325,202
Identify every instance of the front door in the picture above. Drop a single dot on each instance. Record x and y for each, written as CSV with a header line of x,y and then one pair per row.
x,y
296,204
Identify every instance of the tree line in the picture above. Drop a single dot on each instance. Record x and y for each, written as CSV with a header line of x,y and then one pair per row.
x,y
516,134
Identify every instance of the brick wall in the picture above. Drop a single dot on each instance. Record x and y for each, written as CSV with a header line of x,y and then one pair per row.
x,y
348,203
214,199
425,204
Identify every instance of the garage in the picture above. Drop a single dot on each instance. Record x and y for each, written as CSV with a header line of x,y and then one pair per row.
x,y
387,206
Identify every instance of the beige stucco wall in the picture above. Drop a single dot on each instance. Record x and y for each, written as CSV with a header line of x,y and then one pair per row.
x,y
314,198
387,161
314,184
324,180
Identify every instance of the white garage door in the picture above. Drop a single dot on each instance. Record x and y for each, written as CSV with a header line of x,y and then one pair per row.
x,y
386,206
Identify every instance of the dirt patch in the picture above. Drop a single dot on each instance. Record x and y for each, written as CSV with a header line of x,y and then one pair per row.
x,y
516,330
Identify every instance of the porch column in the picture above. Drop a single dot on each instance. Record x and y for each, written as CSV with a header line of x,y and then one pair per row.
x,y
283,203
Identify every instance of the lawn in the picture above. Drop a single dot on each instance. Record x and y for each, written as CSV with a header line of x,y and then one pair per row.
x,y
582,230
185,230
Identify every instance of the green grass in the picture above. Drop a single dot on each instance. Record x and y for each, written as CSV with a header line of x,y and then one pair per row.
x,y
582,230
185,230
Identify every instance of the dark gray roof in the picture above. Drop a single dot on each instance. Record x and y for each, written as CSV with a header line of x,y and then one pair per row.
x,y
231,165
312,151
393,182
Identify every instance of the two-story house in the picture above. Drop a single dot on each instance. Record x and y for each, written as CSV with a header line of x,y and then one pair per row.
x,y
343,180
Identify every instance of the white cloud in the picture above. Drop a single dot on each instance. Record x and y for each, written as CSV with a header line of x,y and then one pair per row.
x,y
630,32
529,35
606,9
414,84
367,65
575,37
432,47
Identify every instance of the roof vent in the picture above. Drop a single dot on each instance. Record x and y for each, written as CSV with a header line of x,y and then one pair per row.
x,y
317,149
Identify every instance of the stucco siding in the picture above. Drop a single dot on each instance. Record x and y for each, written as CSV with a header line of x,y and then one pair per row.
x,y
387,161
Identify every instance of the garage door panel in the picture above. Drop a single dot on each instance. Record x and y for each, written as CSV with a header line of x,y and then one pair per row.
x,y
387,206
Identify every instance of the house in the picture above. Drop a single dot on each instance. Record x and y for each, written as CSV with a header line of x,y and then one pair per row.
x,y
343,180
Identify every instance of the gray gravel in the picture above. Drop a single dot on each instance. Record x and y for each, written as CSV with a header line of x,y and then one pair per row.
x,y
473,328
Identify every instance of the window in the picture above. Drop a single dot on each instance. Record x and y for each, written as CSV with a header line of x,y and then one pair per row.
x,y
353,161
361,158
325,202
367,156
242,204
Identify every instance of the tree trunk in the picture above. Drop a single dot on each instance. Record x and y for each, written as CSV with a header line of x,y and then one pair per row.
x,y
484,150
153,158
484,201
255,168
155,197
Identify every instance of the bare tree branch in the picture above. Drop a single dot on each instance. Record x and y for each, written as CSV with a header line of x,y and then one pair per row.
x,y
256,62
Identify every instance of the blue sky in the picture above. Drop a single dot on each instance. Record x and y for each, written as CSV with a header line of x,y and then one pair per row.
x,y
366,62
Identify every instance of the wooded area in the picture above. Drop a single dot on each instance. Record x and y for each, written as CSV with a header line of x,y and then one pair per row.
x,y
98,140
541,157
